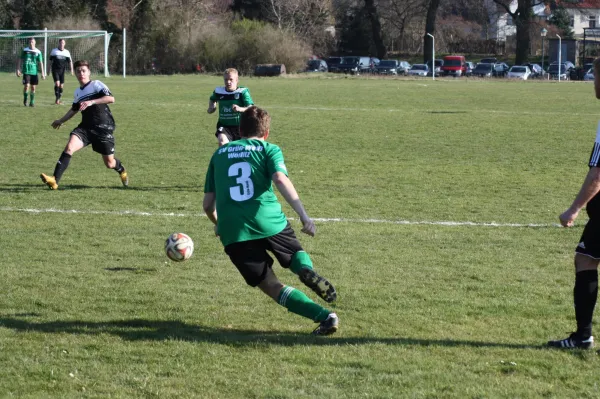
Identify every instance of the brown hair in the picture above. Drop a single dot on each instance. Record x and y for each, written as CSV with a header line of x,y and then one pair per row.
x,y
254,122
81,63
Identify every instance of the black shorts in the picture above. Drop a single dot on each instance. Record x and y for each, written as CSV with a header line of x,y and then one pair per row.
x,y
58,75
231,132
253,261
102,141
589,243
30,80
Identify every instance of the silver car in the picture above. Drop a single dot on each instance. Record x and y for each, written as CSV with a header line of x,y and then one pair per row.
x,y
418,70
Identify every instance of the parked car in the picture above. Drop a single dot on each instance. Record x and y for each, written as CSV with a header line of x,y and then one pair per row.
x,y
316,66
491,60
355,65
418,70
469,68
557,71
438,67
519,72
388,67
589,75
500,69
454,65
404,67
535,69
484,70
374,63
333,63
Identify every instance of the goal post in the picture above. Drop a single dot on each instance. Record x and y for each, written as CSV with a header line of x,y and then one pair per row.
x,y
91,45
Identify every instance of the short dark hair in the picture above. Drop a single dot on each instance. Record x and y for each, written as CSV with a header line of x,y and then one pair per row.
x,y
81,63
254,122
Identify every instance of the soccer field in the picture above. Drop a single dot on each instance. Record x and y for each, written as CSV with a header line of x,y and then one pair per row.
x,y
436,203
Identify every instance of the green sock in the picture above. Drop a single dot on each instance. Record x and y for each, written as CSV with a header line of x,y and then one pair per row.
x,y
300,260
25,97
297,302
31,98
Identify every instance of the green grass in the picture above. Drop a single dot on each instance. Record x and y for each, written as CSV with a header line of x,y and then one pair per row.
x,y
91,307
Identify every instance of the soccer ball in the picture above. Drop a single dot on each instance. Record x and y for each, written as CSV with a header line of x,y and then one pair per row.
x,y
179,247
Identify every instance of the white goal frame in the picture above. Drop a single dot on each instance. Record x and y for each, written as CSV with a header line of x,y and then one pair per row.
x,y
65,34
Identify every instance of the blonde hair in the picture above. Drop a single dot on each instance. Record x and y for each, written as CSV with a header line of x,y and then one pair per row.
x,y
254,122
231,71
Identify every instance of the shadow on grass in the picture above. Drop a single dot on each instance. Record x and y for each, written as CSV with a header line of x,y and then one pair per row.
x,y
129,269
447,112
160,330
20,188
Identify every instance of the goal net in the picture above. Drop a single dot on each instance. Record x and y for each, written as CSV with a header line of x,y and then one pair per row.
x,y
83,45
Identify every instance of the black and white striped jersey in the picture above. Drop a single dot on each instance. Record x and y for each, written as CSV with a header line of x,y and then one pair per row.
x,y
60,59
593,206
97,116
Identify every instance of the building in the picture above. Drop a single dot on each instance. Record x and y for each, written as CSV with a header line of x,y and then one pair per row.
x,y
583,14
501,24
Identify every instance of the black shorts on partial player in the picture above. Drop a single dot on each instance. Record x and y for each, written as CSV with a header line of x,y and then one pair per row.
x,y
102,141
231,132
58,75
589,243
30,80
253,261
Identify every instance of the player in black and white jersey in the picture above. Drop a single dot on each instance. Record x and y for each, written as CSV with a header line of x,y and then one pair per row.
x,y
96,128
587,252
60,57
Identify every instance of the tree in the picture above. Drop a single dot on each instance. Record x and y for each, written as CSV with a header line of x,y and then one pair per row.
x,y
373,17
522,19
432,9
560,18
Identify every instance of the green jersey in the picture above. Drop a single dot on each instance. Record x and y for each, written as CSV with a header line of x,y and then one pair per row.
x,y
226,99
30,59
240,174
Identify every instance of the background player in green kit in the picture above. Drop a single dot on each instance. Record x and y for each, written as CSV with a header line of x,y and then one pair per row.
x,y
232,100
250,221
29,59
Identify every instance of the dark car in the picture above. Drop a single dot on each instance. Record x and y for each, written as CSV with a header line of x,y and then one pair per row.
x,y
333,63
500,69
490,60
438,67
355,65
316,66
484,70
557,71
389,67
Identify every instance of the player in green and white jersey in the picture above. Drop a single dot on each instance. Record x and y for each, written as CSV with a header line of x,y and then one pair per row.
x,y
250,221
29,60
232,100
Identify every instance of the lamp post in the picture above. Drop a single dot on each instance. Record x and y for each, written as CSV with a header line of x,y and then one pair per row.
x,y
559,56
543,32
432,55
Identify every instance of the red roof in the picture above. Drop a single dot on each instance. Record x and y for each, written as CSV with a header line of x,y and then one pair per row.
x,y
580,4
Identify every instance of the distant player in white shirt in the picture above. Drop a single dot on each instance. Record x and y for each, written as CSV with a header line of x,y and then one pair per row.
x,y
59,57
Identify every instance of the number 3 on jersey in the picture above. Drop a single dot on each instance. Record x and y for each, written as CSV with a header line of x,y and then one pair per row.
x,y
245,188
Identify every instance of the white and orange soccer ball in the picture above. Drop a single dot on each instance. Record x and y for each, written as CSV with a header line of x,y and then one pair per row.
x,y
179,247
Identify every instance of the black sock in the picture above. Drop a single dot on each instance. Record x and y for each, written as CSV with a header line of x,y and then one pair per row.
x,y
60,89
56,92
585,294
61,165
119,166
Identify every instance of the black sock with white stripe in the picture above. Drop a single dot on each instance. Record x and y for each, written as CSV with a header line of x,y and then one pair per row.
x,y
585,294
57,92
119,166
61,165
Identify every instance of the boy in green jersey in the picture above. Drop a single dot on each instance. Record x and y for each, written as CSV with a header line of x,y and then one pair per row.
x,y
250,222
29,59
233,100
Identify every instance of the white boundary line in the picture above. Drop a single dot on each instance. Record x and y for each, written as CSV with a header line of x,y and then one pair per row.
x,y
324,220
